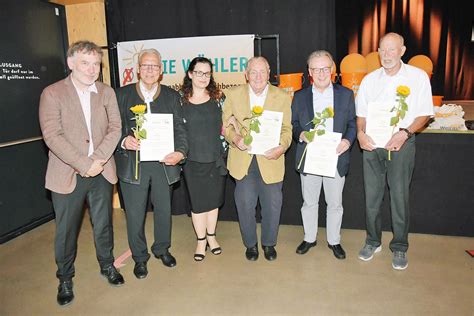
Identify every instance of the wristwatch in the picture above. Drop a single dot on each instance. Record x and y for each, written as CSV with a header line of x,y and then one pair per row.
x,y
409,134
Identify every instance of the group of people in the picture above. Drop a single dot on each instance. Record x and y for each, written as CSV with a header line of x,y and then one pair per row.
x,y
88,129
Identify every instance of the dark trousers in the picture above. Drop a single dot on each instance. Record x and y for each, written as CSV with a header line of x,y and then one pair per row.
x,y
69,210
135,196
397,173
247,191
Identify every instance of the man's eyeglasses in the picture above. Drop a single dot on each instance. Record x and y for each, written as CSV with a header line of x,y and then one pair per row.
x,y
150,67
325,70
200,74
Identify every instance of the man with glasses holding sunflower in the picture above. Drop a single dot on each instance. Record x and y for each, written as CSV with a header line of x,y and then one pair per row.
x,y
314,99
155,177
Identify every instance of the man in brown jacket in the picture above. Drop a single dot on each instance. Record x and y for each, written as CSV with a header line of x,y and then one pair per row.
x,y
81,126
257,177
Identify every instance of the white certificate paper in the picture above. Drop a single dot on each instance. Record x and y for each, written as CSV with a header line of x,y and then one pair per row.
x,y
159,140
269,136
378,122
321,156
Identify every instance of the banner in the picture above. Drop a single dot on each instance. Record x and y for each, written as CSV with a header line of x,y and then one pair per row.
x,y
228,54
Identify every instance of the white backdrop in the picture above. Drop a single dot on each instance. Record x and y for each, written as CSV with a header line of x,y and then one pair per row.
x,y
229,55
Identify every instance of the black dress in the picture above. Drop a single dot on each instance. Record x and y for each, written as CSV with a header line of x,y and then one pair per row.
x,y
204,170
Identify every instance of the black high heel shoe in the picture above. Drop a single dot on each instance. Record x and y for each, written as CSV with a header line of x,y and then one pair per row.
x,y
215,251
198,256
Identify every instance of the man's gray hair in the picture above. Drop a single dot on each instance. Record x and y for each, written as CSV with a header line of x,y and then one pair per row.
x,y
320,53
400,38
255,58
151,51
85,47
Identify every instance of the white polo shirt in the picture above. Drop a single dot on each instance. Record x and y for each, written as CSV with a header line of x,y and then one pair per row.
x,y
377,86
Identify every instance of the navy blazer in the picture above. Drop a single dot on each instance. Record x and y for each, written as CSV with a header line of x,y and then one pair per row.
x,y
344,121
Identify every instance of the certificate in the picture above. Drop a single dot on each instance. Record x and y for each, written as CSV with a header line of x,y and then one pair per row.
x,y
159,140
269,136
378,122
321,157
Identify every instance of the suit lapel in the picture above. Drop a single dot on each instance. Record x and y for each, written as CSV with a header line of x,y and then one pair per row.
x,y
75,103
244,108
309,105
95,108
337,109
270,99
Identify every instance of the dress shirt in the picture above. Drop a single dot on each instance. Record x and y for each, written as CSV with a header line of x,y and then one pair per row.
x,y
322,100
257,99
85,99
148,94
377,86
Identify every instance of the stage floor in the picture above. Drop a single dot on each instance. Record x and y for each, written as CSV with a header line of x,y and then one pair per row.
x,y
438,281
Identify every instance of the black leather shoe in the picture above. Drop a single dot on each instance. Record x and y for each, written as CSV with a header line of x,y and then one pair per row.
x,y
339,253
140,270
269,252
167,259
304,247
252,253
112,275
65,293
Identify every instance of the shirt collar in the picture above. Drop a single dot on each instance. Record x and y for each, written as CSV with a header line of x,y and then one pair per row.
x,y
326,91
91,88
263,94
402,72
145,91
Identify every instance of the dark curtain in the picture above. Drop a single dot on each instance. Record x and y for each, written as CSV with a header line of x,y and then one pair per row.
x,y
439,29
303,26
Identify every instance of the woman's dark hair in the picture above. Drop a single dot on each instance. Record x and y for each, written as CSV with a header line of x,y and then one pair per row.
x,y
187,88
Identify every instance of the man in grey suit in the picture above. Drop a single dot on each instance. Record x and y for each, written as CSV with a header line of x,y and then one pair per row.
x,y
80,122
320,95
155,177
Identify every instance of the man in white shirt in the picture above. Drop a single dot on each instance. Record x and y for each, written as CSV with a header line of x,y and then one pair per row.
x,y
258,177
381,86
80,122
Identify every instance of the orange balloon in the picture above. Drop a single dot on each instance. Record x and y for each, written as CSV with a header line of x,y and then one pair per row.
x,y
354,63
422,62
373,61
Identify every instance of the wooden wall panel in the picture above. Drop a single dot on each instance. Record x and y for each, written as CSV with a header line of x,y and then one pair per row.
x,y
87,21
105,67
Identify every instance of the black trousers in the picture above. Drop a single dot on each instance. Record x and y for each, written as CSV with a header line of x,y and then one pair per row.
x,y
135,196
69,210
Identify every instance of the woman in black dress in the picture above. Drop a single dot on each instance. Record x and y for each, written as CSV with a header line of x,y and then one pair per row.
x,y
204,170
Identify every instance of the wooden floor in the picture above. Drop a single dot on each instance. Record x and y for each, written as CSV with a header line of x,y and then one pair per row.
x,y
438,281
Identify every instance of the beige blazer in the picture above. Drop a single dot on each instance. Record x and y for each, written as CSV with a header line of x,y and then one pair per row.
x,y
65,133
237,103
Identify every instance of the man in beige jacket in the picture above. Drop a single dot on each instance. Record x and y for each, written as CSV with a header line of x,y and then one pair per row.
x,y
257,177
81,126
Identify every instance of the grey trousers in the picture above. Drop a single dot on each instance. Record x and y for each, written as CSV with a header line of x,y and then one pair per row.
x,y
397,173
135,196
247,192
311,189
69,211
